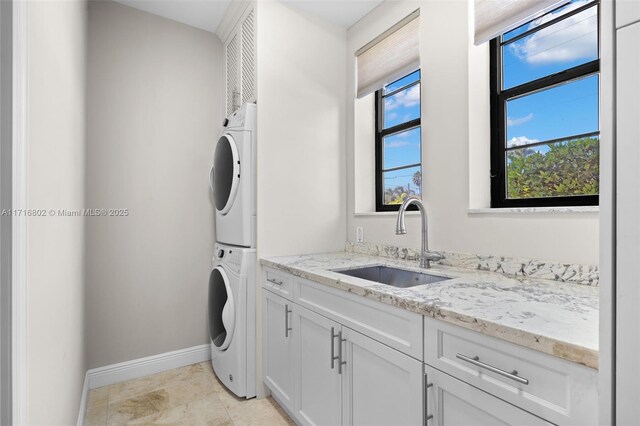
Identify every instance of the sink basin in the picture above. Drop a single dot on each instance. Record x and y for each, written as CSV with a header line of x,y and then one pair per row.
x,y
392,276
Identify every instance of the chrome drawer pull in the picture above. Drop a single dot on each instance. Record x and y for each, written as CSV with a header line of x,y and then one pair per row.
x,y
426,400
333,357
274,281
510,375
287,329
340,361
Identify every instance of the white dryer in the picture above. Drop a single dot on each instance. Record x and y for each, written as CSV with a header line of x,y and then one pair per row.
x,y
232,179
232,318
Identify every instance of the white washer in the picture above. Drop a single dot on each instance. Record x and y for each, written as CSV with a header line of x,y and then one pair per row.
x,y
232,179
232,318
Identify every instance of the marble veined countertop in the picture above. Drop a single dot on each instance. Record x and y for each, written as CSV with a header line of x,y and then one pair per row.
x,y
556,318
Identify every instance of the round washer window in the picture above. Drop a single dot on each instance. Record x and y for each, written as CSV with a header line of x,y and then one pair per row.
x,y
221,310
226,173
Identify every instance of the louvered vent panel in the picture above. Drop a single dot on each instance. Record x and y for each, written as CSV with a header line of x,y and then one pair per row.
x,y
248,58
232,75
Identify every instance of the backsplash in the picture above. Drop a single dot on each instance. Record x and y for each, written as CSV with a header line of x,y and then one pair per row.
x,y
509,266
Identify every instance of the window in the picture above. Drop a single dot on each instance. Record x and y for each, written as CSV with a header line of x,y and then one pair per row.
x,y
544,110
398,142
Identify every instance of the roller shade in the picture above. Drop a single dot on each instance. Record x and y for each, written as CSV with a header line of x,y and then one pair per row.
x,y
390,56
495,17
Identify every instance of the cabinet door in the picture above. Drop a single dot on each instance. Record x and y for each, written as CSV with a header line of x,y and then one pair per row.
x,y
453,402
628,224
240,62
278,346
248,57
381,386
232,76
318,399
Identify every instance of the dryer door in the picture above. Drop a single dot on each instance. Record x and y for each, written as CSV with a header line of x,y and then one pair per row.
x,y
222,314
224,178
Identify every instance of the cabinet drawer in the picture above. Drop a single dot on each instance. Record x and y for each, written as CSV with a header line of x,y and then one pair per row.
x,y
278,282
395,327
451,402
552,388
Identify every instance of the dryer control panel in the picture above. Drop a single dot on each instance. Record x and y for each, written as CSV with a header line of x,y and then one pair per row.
x,y
230,256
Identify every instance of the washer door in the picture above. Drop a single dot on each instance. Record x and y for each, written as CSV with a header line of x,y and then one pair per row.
x,y
222,314
225,174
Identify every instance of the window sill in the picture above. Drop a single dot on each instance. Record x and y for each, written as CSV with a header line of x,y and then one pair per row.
x,y
525,210
382,214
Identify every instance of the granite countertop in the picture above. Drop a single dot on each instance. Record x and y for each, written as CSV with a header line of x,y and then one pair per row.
x,y
556,318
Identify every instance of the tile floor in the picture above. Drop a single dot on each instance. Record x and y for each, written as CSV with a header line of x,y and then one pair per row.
x,y
190,395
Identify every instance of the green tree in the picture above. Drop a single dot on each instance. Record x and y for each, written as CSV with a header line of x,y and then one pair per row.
x,y
567,168
417,179
397,195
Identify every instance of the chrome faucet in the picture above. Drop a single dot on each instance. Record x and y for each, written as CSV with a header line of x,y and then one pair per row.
x,y
401,229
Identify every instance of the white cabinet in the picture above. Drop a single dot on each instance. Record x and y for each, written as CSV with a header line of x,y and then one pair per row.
x,y
333,358
627,12
452,402
240,62
395,327
628,218
328,374
278,349
277,282
344,377
318,398
560,391
381,386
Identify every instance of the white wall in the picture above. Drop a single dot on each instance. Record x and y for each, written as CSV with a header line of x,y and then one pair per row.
x,y
301,124
301,129
56,180
455,114
154,112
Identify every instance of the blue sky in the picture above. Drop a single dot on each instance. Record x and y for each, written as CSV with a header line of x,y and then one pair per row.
x,y
559,112
562,111
402,149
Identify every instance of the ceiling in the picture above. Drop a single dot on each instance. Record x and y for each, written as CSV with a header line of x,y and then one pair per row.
x,y
203,14
344,13
207,14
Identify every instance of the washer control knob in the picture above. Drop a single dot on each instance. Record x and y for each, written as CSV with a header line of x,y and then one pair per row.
x,y
220,253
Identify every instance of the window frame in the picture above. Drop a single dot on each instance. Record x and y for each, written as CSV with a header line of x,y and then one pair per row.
x,y
381,133
498,101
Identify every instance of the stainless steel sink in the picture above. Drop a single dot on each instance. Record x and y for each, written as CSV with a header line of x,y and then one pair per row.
x,y
392,276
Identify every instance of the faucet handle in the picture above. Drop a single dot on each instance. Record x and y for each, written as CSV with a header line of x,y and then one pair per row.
x,y
432,256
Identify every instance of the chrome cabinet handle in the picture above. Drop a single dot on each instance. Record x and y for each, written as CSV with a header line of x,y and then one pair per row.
x,y
340,361
274,281
287,329
333,357
513,375
427,385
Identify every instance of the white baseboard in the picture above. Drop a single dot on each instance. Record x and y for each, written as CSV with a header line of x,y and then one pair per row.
x,y
82,411
141,367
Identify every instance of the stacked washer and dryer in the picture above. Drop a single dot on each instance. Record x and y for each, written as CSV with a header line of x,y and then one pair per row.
x,y
232,294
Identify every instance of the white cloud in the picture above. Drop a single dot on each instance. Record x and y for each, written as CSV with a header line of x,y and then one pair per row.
x,y
397,144
406,98
520,140
571,39
411,133
520,120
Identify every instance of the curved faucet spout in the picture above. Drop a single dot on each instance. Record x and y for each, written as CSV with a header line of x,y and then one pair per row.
x,y
401,228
